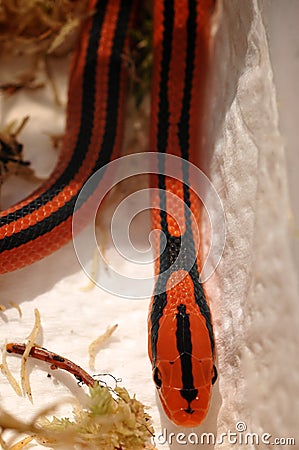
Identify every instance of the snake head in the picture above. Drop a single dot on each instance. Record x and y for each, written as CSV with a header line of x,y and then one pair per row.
x,y
186,402
181,349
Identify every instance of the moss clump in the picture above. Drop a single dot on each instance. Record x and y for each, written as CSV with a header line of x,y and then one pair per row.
x,y
110,420
32,26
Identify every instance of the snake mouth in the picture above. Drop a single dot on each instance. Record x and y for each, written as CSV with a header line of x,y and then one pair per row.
x,y
183,417
184,407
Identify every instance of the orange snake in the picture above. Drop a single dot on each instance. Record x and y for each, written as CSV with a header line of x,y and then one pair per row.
x,y
181,339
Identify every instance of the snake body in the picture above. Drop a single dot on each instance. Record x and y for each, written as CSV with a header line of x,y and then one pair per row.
x,y
181,339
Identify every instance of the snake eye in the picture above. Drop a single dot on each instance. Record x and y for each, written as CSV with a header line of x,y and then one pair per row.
x,y
215,375
157,377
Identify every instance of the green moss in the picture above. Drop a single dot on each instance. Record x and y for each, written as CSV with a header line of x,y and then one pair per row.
x,y
110,420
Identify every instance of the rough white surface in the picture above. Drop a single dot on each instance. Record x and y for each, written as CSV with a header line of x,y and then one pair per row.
x,y
254,292
256,323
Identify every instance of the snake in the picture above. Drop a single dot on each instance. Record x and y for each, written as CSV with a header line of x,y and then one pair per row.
x,y
181,342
